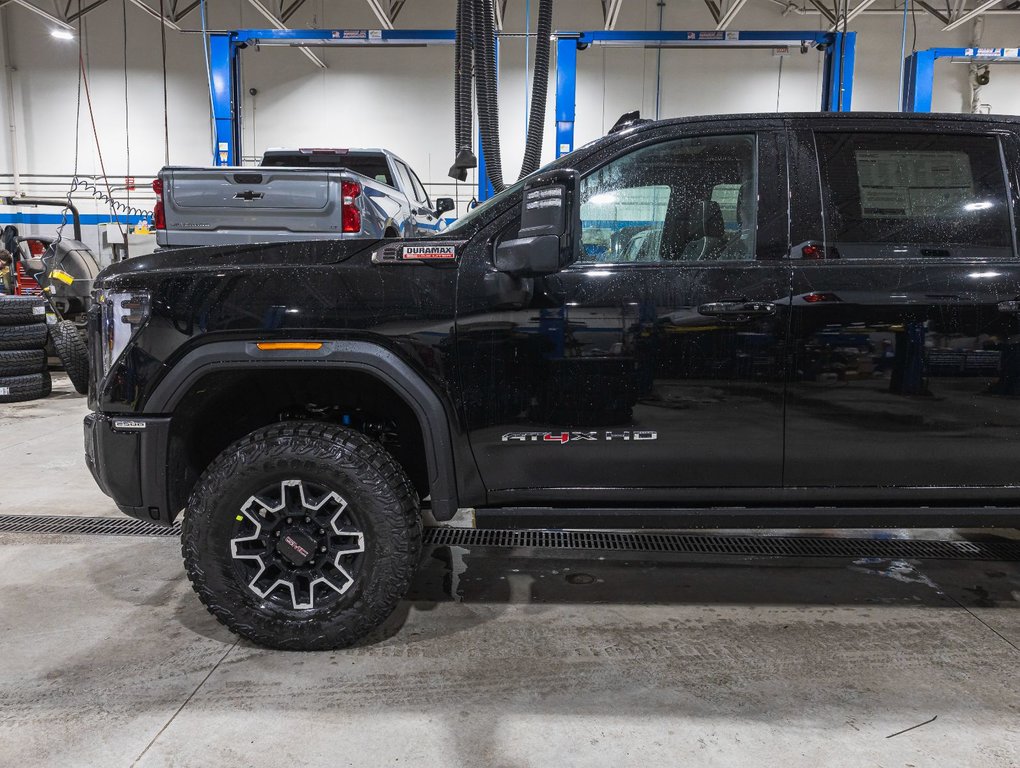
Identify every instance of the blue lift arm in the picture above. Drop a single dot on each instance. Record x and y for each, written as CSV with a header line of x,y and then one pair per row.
x,y
838,48
225,72
917,96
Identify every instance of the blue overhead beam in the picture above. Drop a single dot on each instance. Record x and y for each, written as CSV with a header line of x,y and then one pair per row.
x,y
225,47
917,96
838,48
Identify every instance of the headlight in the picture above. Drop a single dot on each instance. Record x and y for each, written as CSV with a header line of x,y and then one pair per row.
x,y
122,315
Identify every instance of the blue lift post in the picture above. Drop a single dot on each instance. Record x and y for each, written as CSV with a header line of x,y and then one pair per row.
x,y
838,48
917,96
225,73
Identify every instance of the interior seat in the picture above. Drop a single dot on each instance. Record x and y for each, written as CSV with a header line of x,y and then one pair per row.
x,y
707,230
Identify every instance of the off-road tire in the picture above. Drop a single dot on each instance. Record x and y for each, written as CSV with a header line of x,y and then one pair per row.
x,y
22,310
383,504
73,354
34,386
22,362
23,336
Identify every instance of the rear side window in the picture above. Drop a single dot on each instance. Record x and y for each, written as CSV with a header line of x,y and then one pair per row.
x,y
373,166
914,196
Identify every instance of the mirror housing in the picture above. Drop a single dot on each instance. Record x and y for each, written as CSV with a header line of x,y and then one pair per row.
x,y
444,204
550,234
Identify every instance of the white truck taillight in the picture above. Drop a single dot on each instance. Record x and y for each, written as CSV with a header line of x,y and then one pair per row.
x,y
158,215
350,213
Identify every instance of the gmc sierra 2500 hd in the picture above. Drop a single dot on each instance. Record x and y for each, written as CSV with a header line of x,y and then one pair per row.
x,y
783,320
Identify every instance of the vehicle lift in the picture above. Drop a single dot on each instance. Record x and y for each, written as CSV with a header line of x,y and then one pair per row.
x,y
920,66
227,95
838,47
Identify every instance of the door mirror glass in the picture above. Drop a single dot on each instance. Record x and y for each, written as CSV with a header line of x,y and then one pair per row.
x,y
444,204
549,237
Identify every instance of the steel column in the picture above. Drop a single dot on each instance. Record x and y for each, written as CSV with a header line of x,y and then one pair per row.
x,y
838,88
917,96
222,76
566,94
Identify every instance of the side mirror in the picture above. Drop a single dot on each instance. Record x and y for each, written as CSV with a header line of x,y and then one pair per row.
x,y
444,204
550,234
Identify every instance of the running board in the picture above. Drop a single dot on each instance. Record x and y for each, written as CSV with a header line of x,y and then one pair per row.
x,y
659,518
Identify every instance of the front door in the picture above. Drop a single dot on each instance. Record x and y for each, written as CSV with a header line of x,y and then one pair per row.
x,y
905,359
653,368
422,213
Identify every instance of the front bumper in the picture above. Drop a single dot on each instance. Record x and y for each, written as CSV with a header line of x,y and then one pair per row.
x,y
127,456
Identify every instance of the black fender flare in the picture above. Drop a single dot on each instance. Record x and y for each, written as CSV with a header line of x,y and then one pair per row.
x,y
364,356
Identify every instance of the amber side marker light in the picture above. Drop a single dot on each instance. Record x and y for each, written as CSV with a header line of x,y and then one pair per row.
x,y
269,346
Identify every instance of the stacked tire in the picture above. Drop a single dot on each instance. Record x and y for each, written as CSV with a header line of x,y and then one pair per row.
x,y
24,374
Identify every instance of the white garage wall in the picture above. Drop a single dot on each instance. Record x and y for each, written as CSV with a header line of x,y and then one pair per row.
x,y
402,98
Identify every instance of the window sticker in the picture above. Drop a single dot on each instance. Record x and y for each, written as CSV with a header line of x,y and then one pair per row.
x,y
901,184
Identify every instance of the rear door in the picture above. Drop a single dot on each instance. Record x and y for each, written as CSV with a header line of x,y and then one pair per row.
x,y
652,370
905,366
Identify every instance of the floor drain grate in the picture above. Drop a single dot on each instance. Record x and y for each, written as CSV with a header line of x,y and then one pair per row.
x,y
85,526
722,544
605,541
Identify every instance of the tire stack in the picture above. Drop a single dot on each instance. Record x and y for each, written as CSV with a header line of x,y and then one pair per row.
x,y
23,371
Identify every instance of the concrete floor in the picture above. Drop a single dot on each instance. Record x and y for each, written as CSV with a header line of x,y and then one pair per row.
x,y
502,658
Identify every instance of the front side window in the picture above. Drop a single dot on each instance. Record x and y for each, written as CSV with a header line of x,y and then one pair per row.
x,y
689,199
914,195
419,190
405,178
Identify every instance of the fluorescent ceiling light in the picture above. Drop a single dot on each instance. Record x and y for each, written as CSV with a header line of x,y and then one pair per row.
x,y
61,34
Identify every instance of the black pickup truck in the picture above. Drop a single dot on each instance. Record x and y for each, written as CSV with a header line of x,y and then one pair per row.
x,y
783,320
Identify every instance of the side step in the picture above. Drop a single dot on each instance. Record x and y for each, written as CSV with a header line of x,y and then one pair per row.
x,y
659,518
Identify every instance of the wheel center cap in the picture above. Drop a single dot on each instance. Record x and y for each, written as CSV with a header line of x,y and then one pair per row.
x,y
296,547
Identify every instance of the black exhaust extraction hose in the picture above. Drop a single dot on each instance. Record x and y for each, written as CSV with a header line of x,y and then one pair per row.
x,y
486,90
463,78
539,90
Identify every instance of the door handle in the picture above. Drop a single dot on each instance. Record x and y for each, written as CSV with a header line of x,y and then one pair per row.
x,y
737,310
1011,307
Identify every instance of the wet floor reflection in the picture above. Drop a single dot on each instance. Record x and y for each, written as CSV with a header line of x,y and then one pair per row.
x,y
555,576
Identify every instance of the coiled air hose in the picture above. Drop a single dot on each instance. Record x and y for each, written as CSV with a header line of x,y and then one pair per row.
x,y
486,90
539,91
463,78
475,59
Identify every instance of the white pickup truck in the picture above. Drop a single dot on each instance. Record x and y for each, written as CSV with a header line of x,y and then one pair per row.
x,y
296,194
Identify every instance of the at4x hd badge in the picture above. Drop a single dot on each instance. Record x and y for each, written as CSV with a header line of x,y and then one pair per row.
x,y
611,435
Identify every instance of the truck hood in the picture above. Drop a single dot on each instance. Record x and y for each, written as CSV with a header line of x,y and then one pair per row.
x,y
229,257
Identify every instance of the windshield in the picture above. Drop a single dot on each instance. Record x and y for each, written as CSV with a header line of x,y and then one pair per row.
x,y
479,210
482,208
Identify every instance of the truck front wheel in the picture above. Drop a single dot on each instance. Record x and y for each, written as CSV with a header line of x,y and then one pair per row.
x,y
302,536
